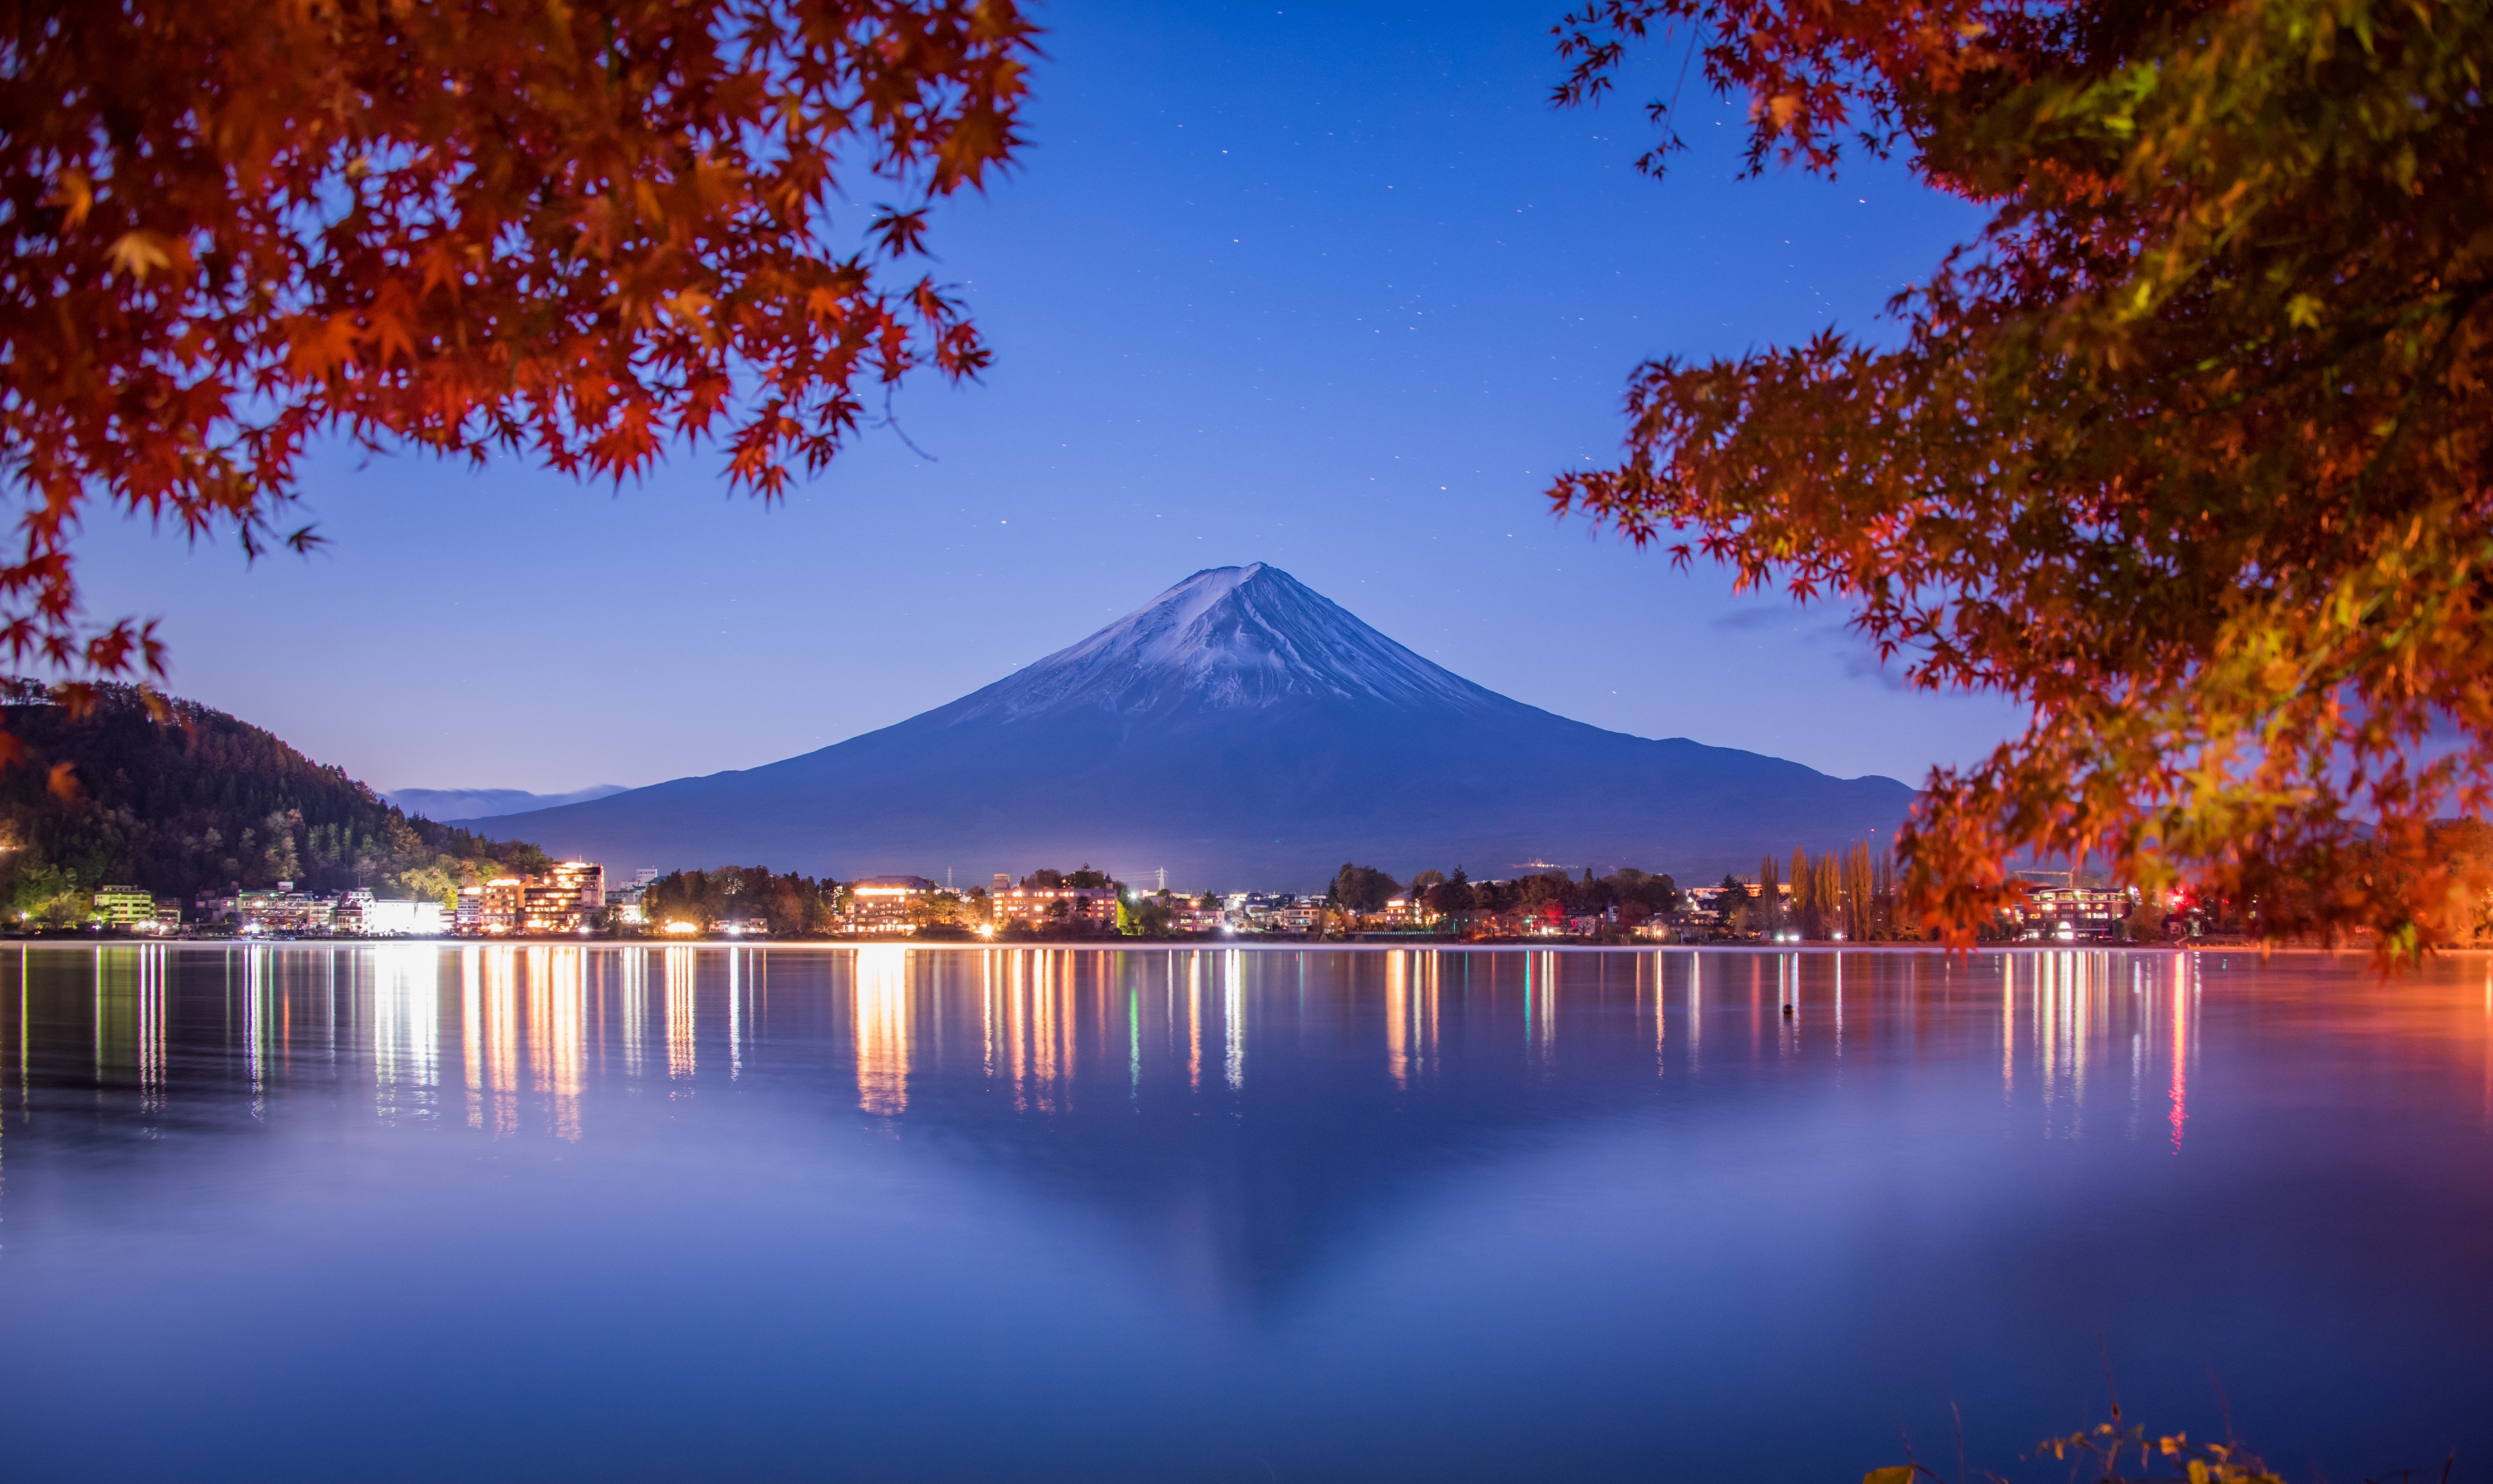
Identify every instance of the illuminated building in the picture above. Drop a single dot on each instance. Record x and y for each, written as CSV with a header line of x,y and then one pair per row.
x,y
1708,901
1251,910
1043,907
1300,916
283,911
392,918
1192,917
881,904
2073,912
492,908
361,913
626,901
123,907
566,898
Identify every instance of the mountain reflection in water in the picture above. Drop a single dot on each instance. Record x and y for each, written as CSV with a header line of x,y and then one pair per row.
x,y
1230,1212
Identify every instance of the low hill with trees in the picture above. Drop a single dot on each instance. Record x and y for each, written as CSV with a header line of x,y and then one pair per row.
x,y
177,797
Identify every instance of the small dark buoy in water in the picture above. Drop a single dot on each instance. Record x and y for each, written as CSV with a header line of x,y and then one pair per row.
x,y
1788,1009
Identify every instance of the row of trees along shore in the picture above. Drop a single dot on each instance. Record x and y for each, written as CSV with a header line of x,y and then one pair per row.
x,y
1461,904
794,905
1850,893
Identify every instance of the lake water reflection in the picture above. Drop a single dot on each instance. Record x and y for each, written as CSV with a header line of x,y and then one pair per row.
x,y
549,1213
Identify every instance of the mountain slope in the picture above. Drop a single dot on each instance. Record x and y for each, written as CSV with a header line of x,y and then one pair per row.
x,y
195,798
1238,730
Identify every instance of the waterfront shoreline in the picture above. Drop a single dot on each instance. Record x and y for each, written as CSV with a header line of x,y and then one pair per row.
x,y
1168,945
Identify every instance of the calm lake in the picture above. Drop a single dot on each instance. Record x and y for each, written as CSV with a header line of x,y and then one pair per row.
x,y
420,1213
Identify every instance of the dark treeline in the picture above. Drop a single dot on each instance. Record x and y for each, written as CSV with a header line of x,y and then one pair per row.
x,y
1550,895
1084,879
792,904
178,798
1360,889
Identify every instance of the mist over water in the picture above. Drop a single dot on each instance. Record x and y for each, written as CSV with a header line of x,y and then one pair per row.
x,y
544,1212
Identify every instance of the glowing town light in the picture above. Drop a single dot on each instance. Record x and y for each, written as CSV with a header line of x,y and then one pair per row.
x,y
682,927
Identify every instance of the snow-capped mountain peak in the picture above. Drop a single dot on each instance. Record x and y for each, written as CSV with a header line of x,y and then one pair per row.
x,y
1240,730
1228,637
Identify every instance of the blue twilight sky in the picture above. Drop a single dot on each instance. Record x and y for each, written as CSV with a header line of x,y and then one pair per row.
x,y
1330,287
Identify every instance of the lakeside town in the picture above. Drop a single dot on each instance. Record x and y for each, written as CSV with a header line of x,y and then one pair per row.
x,y
1828,899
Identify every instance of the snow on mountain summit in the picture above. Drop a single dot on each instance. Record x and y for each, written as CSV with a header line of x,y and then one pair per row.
x,y
1228,637
1238,728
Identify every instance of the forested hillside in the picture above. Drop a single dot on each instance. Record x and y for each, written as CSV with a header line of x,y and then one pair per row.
x,y
192,799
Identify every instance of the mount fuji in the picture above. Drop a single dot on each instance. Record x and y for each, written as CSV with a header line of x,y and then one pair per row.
x,y
1241,731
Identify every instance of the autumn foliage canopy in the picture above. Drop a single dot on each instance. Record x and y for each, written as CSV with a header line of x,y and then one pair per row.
x,y
2189,449
585,231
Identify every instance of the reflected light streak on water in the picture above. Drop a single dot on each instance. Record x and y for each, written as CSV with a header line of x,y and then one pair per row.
x,y
882,1036
681,971
502,1044
1838,957
1194,1027
255,1023
633,1014
130,1027
1471,1216
2181,997
1696,1004
405,1030
1233,1022
559,977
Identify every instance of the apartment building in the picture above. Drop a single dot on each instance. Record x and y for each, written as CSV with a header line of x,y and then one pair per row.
x,y
123,907
285,913
625,901
881,904
2071,913
567,898
493,907
1040,907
